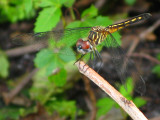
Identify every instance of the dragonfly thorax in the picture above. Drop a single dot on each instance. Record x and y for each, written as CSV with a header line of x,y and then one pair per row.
x,y
83,46
97,35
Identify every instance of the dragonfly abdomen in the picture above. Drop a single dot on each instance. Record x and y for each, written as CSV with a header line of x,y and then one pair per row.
x,y
116,27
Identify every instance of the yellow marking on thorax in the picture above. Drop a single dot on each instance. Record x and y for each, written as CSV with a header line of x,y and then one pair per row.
x,y
97,35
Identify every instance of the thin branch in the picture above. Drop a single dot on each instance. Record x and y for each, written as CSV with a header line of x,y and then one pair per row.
x,y
149,30
9,96
91,97
142,36
25,49
127,105
156,118
143,55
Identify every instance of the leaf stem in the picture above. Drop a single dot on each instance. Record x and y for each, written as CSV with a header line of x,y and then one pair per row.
x,y
72,13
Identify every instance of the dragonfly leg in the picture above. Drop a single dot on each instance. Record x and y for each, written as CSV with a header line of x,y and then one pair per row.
x,y
79,58
94,56
100,58
94,59
79,62
89,60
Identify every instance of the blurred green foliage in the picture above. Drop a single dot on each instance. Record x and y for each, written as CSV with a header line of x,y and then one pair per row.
x,y
58,80
130,2
63,107
49,88
14,10
104,106
4,65
156,69
14,112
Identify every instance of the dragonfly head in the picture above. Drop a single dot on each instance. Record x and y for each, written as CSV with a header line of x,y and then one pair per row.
x,y
83,46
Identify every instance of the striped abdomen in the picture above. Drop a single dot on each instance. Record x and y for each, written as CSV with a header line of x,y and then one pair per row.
x,y
116,27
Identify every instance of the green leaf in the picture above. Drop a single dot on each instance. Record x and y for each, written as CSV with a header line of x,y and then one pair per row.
x,y
43,58
13,113
43,89
46,3
67,57
74,24
156,70
47,19
46,58
64,108
4,65
60,78
15,10
51,3
129,86
158,56
103,21
12,14
67,3
104,105
91,22
21,13
90,12
56,63
139,102
26,111
130,2
28,6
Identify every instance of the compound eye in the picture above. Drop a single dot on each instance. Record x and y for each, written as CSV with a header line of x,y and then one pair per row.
x,y
79,47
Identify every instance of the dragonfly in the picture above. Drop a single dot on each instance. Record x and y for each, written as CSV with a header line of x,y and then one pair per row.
x,y
86,40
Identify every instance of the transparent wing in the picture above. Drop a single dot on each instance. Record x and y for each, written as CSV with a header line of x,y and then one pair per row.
x,y
60,40
124,66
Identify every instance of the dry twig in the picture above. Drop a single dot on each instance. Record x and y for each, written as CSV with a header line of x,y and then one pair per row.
x,y
127,105
143,55
91,96
141,36
9,96
25,49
